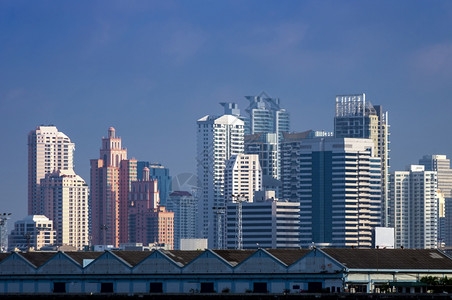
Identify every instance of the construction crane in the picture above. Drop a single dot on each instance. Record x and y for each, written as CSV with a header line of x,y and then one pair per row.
x,y
4,217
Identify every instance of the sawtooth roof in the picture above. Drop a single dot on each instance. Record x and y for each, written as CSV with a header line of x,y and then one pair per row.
x,y
234,257
132,257
403,259
288,256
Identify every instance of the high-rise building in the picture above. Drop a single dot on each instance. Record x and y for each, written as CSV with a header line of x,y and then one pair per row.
x,y
65,201
265,223
243,176
413,207
218,139
32,232
448,222
440,164
184,206
48,151
161,174
356,117
267,147
265,115
111,178
148,221
337,183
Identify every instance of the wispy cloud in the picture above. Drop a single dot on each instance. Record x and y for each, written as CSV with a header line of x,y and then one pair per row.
x,y
183,42
434,60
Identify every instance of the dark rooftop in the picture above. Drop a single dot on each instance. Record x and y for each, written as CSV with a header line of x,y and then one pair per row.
x,y
424,259
182,257
234,257
37,258
80,256
132,257
288,256
3,256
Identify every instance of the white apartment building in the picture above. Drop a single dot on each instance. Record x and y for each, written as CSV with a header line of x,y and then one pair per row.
x,y
32,232
48,150
65,200
413,207
218,139
184,206
265,223
243,176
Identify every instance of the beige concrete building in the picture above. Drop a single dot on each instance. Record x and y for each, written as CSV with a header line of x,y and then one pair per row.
x,y
33,232
65,201
49,150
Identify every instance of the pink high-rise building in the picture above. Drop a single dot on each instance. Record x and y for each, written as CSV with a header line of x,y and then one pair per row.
x,y
149,222
111,176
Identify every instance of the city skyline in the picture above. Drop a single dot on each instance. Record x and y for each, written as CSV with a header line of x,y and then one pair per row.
x,y
91,69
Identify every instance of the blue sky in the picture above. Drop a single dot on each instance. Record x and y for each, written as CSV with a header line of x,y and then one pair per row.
x,y
151,69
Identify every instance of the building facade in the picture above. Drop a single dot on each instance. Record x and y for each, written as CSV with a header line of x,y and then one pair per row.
x,y
184,206
337,182
264,223
65,198
148,221
161,174
49,150
413,207
356,117
111,177
32,232
265,115
218,139
265,145
242,177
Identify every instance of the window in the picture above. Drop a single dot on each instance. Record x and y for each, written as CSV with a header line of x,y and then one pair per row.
x,y
156,287
260,287
207,287
59,287
106,287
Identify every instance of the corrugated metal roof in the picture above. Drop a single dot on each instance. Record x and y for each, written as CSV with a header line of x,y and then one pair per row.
x,y
234,257
288,256
37,258
408,259
3,256
132,257
182,256
80,256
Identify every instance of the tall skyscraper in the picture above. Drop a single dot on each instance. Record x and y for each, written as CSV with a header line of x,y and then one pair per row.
x,y
243,177
337,183
48,151
55,191
65,200
161,174
356,117
267,147
219,138
111,178
149,222
184,206
265,115
440,164
413,207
